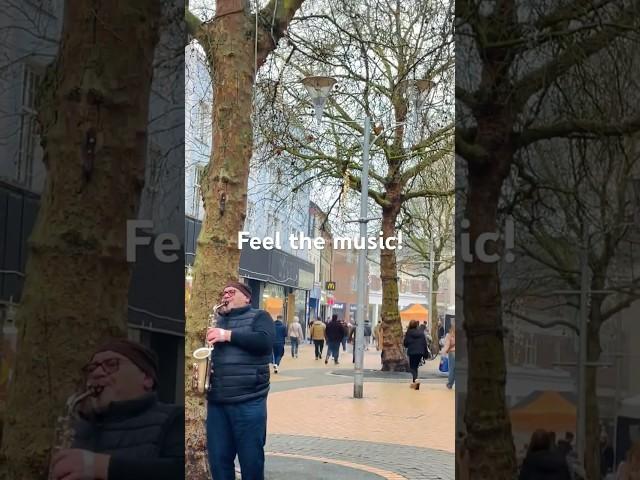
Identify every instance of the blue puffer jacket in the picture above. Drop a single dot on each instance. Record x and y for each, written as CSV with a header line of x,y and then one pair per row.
x,y
281,332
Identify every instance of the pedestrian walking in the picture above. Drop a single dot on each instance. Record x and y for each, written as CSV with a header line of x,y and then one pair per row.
x,y
334,334
352,341
278,342
345,337
427,336
607,457
317,335
542,462
449,349
565,445
416,345
441,333
237,398
367,334
295,336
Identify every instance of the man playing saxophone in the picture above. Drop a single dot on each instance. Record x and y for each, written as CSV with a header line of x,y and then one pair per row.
x,y
237,397
122,431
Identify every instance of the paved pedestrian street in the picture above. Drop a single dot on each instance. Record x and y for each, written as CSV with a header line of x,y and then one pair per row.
x,y
318,431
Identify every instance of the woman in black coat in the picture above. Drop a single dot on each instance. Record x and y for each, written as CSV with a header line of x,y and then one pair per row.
x,y
416,344
543,462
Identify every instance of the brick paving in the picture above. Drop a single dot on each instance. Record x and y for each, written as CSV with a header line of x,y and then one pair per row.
x,y
318,431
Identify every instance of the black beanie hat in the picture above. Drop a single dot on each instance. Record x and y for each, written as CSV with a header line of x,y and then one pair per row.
x,y
245,289
145,359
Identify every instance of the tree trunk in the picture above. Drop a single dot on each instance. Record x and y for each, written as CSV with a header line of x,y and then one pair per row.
x,y
491,449
592,433
224,195
393,357
229,42
77,276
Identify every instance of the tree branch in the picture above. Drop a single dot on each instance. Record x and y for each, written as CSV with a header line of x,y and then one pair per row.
x,y
573,55
576,128
541,324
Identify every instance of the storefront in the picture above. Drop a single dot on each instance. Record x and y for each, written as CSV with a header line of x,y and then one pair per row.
x,y
339,310
281,283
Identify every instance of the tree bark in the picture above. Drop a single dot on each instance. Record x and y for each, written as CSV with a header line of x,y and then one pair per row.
x,y
491,448
229,42
594,350
393,357
77,275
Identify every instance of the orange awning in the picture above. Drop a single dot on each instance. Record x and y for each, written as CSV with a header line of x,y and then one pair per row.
x,y
552,411
414,312
274,306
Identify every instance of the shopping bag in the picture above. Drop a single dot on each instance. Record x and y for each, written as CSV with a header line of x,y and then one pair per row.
x,y
443,368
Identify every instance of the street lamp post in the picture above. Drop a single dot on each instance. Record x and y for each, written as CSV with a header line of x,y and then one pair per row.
x,y
319,88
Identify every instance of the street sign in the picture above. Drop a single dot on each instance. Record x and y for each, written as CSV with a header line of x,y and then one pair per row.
x,y
330,286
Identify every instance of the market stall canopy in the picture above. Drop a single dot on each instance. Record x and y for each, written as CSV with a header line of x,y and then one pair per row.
x,y
414,312
547,410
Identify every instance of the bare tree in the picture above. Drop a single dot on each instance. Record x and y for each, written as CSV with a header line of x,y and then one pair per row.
x,y
514,54
93,113
428,224
380,63
589,198
236,43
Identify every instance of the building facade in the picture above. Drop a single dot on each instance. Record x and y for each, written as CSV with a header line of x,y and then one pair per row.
x,y
321,298
156,306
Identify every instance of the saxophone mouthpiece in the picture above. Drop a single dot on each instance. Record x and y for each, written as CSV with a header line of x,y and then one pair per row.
x,y
96,390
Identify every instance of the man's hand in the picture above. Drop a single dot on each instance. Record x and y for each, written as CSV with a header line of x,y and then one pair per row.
x,y
216,335
76,464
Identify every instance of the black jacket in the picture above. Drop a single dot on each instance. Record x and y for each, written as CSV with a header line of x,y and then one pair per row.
x,y
280,333
415,342
545,465
144,437
335,331
240,368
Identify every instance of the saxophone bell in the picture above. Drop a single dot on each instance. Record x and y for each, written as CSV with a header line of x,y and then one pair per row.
x,y
204,353
64,433
201,368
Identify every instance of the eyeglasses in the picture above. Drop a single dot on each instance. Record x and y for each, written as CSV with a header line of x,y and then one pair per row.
x,y
109,365
230,292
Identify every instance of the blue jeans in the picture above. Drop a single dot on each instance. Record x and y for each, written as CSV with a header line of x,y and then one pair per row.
x,y
278,353
333,350
451,379
294,346
237,429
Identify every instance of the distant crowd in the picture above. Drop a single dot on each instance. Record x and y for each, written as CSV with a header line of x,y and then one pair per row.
x,y
544,458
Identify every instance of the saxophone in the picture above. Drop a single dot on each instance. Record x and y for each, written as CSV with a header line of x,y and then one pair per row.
x,y
64,432
201,370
